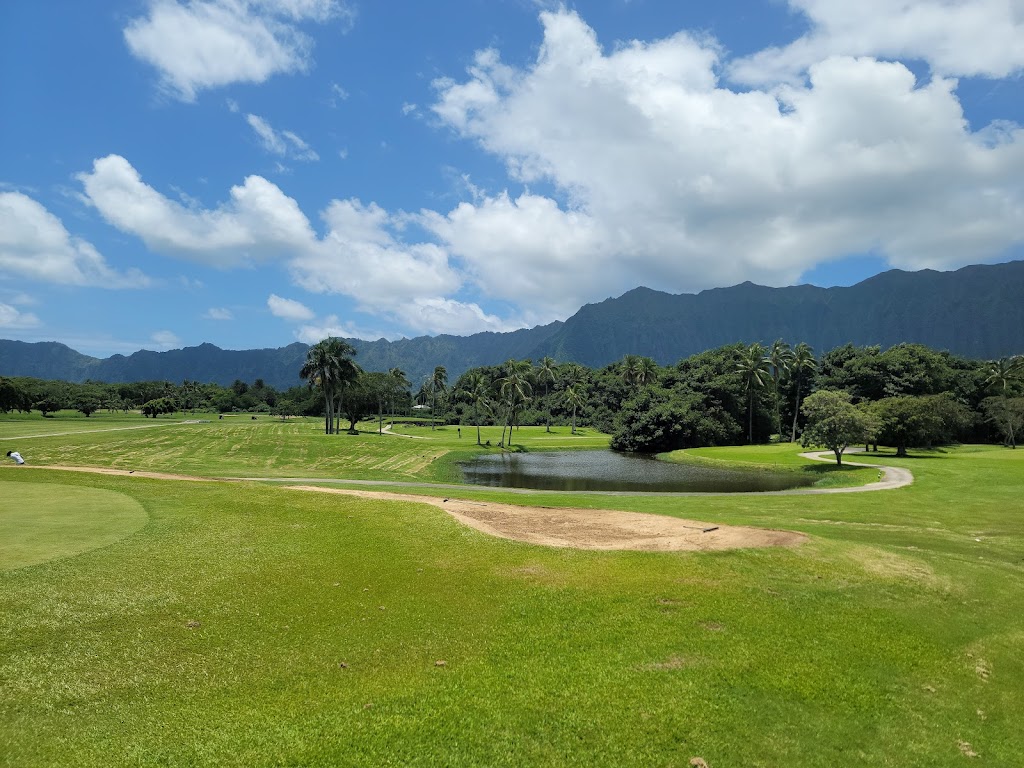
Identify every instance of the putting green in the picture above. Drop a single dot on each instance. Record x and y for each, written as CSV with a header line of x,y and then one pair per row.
x,y
41,522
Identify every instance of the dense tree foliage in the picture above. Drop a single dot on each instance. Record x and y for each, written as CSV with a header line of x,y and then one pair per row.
x,y
912,395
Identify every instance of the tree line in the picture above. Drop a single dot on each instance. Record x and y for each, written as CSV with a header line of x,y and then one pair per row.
x,y
153,398
906,396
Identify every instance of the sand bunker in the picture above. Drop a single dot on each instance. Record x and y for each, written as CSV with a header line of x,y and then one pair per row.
x,y
589,528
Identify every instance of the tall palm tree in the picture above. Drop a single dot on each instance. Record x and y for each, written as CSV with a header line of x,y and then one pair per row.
x,y
400,383
344,372
802,362
547,374
438,383
1001,374
515,390
573,396
753,367
477,391
779,358
316,370
329,366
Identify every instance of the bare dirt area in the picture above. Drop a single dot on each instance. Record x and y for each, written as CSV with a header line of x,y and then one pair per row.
x,y
589,528
132,472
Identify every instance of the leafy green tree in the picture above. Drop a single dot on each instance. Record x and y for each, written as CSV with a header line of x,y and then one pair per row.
x,y
87,404
1007,413
1003,375
911,421
13,396
753,367
158,406
835,422
47,405
649,422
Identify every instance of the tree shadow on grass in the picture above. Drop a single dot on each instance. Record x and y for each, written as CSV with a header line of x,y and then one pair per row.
x,y
821,469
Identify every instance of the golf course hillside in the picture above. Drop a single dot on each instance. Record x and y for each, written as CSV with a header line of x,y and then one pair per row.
x,y
239,591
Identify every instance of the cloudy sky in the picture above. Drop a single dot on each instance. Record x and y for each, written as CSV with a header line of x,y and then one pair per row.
x,y
256,172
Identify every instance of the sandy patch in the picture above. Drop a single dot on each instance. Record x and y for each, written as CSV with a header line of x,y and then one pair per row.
x,y
589,528
132,472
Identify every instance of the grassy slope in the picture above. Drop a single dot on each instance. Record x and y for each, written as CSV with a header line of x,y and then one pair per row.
x,y
890,638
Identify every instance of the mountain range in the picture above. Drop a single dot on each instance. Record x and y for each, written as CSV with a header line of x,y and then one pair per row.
x,y
977,312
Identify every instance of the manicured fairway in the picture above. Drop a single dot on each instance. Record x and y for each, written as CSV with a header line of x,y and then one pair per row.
x,y
246,625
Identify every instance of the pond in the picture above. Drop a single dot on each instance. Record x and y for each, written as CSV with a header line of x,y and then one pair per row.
x,y
612,471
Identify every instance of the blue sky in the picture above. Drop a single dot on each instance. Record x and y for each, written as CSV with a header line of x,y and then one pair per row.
x,y
256,172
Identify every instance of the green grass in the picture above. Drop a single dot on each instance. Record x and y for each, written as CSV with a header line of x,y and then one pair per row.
x,y
271,447
215,633
780,458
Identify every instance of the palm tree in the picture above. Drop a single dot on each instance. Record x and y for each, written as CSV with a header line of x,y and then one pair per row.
x,y
1002,373
345,373
477,391
438,383
645,371
627,371
573,396
547,374
754,369
329,366
801,362
515,391
779,358
316,371
400,383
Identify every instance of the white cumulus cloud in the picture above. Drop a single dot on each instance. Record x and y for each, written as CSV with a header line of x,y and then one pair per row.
x,y
258,223
666,177
332,326
35,245
956,37
363,255
289,309
203,44
219,313
12,317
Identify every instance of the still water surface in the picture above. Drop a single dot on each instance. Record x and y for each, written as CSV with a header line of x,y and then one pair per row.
x,y
611,471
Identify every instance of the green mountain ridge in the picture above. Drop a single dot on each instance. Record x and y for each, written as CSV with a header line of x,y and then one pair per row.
x,y
977,312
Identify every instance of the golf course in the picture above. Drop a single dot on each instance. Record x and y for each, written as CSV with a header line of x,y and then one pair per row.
x,y
188,590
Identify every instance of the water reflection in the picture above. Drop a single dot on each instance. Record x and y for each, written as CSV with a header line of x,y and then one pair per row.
x,y
611,471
